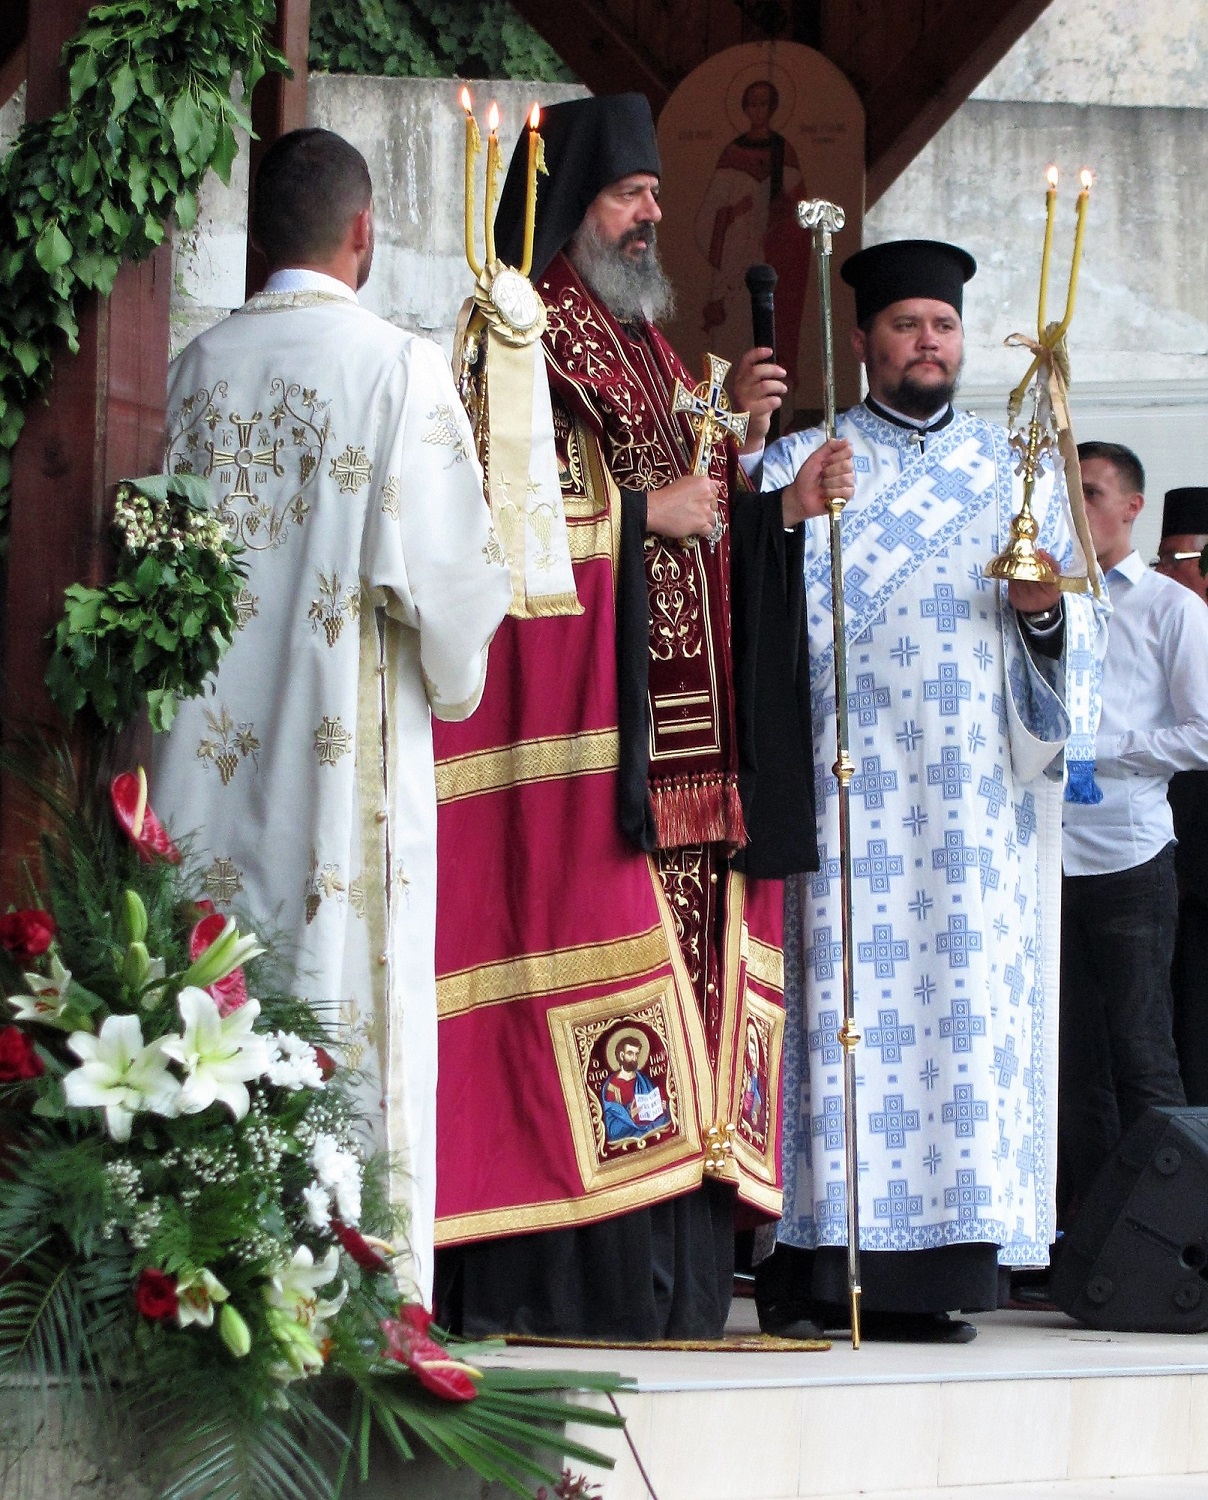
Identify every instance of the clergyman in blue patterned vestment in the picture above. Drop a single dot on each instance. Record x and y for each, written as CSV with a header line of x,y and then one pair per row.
x,y
958,717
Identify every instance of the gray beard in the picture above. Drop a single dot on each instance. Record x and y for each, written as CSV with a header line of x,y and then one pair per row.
x,y
628,288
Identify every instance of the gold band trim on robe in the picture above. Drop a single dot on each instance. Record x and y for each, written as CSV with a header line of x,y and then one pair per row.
x,y
552,759
550,973
766,964
560,1213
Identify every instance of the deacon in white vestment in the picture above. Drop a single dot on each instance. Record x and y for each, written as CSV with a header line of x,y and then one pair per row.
x,y
956,689
340,458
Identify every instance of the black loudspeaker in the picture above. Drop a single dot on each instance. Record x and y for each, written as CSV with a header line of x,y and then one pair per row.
x,y
1136,1258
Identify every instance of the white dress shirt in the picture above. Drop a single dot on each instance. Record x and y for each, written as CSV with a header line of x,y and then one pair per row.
x,y
296,279
1154,722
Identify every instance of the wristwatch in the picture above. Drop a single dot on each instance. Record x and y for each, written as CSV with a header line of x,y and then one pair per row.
x,y
1042,619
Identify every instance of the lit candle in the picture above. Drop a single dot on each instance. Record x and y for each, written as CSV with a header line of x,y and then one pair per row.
x,y
1079,228
492,178
530,201
1050,208
473,147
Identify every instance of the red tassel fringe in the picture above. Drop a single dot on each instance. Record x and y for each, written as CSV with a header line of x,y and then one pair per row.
x,y
698,810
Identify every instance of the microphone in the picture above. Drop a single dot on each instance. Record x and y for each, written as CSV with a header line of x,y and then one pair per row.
x,y
761,283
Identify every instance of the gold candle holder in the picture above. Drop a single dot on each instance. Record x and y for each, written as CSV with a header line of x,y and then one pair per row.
x,y
1021,559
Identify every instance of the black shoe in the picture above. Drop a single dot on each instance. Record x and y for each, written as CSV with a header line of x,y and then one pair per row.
x,y
786,1326
915,1328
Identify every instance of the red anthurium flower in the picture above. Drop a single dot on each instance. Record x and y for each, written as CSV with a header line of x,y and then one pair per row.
x,y
128,793
155,1295
359,1248
407,1342
27,934
18,1058
327,1063
230,992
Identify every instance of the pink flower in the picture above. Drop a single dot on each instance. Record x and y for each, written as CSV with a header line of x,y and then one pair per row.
x,y
128,793
407,1342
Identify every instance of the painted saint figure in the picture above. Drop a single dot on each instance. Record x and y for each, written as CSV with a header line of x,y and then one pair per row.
x,y
633,1105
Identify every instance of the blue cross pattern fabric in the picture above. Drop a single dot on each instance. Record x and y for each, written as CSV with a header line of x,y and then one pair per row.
x,y
956,731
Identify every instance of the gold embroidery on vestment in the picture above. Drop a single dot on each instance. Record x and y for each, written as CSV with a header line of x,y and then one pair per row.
x,y
322,884
351,470
390,494
332,740
356,895
231,741
334,603
222,881
247,608
551,759
550,973
446,432
766,963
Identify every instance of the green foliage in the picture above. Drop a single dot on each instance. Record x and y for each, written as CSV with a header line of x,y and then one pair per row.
x,y
150,112
430,39
158,630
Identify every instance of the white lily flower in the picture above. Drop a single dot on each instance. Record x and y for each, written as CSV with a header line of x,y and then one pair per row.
x,y
228,952
49,997
295,1287
221,1054
120,1075
196,1294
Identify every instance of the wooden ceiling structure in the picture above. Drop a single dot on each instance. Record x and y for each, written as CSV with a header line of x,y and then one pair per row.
x,y
912,62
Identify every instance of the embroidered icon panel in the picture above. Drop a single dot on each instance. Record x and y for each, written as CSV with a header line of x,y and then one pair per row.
x,y
625,1076
757,1097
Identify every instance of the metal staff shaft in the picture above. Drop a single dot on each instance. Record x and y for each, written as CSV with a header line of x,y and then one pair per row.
x,y
824,219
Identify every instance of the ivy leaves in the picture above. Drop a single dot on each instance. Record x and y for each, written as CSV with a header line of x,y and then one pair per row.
x,y
150,112
429,39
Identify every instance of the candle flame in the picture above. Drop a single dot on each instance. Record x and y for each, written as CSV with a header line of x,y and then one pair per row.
x,y
1087,177
534,117
1052,175
467,103
493,117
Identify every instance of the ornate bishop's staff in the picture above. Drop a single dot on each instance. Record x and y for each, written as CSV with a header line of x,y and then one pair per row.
x,y
708,409
1049,427
825,219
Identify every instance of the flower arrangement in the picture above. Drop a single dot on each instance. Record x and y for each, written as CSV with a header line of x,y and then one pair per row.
x,y
154,634
193,1225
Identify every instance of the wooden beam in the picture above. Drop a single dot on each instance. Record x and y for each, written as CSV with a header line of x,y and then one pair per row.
x,y
598,49
101,420
930,79
278,106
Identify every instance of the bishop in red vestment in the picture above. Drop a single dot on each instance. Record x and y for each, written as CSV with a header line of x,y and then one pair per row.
x,y
616,820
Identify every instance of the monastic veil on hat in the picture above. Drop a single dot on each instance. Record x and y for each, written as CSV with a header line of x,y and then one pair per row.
x,y
884,274
588,144
1185,512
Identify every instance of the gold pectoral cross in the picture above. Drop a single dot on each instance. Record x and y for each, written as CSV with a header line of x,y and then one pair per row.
x,y
708,410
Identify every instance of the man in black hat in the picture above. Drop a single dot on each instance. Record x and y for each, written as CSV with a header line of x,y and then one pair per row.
x,y
629,800
1180,551
957,720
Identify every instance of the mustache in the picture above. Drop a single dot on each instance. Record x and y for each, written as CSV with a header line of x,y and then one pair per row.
x,y
646,230
931,360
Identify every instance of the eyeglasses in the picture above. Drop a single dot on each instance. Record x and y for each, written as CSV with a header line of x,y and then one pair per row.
x,y
1170,558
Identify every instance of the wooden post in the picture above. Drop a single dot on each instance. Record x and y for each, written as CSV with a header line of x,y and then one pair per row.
x,y
278,106
102,420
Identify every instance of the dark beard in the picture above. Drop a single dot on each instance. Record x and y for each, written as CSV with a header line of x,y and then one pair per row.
x,y
628,288
915,400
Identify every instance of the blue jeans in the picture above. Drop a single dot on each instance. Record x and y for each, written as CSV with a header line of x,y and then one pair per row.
x,y
1117,1052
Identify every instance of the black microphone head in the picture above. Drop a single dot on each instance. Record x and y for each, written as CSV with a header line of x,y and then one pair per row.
x,y
761,279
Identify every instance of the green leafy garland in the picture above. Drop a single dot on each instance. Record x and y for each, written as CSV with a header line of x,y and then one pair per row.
x,y
150,112
430,39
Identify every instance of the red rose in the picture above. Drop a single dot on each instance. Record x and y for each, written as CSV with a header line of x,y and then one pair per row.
x,y
128,793
230,992
155,1295
27,934
408,1342
18,1059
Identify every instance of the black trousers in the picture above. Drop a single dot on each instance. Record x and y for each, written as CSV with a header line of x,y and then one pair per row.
x,y
1117,1052
1189,981
665,1272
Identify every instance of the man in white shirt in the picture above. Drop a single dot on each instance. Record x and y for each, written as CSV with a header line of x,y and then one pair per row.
x,y
1117,1049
